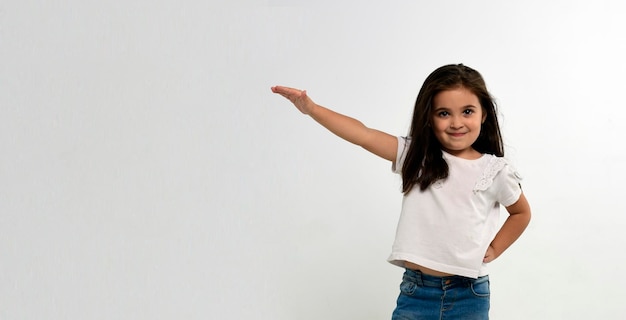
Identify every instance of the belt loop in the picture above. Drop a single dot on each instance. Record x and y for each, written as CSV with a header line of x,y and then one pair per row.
x,y
419,278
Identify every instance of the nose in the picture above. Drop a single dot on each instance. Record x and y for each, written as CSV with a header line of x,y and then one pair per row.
x,y
456,123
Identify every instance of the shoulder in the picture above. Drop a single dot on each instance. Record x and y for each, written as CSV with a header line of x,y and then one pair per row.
x,y
497,168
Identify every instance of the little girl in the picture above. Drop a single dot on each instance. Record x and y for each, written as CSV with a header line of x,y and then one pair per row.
x,y
454,178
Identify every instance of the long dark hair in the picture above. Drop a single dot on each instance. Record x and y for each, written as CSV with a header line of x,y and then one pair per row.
x,y
424,163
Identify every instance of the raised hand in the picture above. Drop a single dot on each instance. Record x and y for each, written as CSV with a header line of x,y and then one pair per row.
x,y
347,128
298,97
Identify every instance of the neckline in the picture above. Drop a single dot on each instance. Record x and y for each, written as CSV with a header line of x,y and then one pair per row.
x,y
451,156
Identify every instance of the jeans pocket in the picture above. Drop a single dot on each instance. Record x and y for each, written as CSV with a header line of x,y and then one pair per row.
x,y
480,288
408,287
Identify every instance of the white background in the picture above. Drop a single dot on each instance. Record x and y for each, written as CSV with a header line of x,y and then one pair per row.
x,y
147,171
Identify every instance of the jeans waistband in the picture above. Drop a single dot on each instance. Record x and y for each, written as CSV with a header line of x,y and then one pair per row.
x,y
424,280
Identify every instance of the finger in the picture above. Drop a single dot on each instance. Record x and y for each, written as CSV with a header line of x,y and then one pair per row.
x,y
287,90
278,89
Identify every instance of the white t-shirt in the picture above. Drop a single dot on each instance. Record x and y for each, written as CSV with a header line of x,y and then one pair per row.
x,y
449,226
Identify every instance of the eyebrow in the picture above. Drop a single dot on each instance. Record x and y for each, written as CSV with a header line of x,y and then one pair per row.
x,y
469,106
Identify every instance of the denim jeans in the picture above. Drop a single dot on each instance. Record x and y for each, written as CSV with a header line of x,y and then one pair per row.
x,y
426,297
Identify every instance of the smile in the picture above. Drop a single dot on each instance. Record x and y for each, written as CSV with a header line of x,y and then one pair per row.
x,y
457,135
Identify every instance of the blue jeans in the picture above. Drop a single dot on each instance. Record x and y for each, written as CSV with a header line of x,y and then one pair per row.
x,y
426,297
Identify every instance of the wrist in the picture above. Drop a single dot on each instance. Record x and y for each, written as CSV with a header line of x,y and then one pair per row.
x,y
313,110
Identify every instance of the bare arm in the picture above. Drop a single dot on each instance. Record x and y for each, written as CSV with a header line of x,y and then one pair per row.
x,y
377,142
513,227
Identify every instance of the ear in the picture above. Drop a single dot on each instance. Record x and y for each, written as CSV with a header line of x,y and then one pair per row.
x,y
484,117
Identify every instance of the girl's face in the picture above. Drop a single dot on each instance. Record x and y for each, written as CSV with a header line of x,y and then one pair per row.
x,y
457,118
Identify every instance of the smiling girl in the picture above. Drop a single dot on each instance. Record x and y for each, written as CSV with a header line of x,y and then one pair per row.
x,y
454,179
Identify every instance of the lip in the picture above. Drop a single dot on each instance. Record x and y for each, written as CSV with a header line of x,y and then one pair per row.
x,y
456,134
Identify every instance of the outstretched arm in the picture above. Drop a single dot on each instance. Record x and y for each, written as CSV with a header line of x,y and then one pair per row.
x,y
515,224
377,142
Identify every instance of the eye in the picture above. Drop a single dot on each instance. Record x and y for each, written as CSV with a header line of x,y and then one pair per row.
x,y
443,114
468,111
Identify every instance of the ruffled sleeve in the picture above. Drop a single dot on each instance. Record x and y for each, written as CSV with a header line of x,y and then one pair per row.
x,y
503,179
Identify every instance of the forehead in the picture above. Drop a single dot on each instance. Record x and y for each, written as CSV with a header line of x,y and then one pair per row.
x,y
459,97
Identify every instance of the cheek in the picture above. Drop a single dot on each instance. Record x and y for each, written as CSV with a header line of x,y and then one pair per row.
x,y
438,125
478,125
438,130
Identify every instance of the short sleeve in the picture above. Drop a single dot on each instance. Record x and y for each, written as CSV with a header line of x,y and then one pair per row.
x,y
403,147
508,184
504,181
